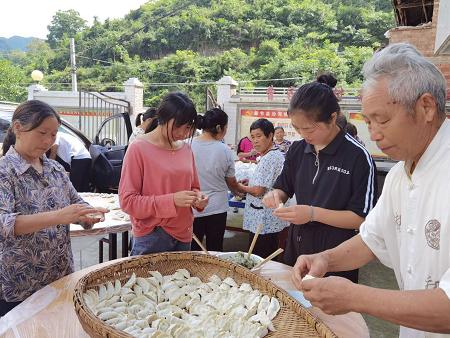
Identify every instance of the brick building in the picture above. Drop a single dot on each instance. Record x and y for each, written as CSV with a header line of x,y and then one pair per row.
x,y
426,25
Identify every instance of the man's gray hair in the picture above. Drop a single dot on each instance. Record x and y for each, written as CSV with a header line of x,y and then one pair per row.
x,y
409,75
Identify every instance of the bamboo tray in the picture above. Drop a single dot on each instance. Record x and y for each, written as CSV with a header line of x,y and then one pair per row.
x,y
293,320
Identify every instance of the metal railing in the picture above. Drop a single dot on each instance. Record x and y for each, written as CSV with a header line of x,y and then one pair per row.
x,y
287,92
97,110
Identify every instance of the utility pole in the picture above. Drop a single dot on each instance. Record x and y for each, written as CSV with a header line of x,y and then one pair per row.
x,y
73,65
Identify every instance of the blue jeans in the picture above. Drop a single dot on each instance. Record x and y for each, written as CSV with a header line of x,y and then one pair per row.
x,y
157,241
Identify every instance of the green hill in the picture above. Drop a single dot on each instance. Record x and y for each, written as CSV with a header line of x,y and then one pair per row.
x,y
14,43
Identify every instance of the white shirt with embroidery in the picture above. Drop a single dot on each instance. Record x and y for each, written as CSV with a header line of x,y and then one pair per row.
x,y
409,228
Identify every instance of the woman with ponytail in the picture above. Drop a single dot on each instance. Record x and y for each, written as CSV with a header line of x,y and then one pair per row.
x,y
332,176
215,167
145,123
37,204
159,184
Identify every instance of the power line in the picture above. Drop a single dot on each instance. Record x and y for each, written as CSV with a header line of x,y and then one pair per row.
x,y
94,59
126,65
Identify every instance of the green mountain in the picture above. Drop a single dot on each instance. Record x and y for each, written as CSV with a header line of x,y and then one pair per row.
x,y
14,43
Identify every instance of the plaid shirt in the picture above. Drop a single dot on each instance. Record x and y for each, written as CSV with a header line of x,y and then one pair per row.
x,y
31,261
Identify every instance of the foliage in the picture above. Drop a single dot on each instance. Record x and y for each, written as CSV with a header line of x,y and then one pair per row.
x,y
12,82
189,44
64,24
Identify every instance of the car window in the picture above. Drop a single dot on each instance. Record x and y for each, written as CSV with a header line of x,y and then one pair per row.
x,y
113,132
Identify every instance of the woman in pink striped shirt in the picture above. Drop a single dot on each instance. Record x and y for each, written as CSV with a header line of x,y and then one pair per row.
x,y
159,185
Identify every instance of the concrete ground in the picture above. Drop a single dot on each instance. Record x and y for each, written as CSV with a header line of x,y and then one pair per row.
x,y
85,251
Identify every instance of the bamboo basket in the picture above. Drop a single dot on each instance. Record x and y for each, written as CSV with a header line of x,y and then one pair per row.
x,y
293,320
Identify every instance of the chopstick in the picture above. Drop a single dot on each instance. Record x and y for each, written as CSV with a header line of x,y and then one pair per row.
x,y
200,244
276,253
252,245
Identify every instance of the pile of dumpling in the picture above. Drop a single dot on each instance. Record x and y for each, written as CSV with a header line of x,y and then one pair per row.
x,y
180,305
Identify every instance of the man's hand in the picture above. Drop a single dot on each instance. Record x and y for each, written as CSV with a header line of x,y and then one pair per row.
x,y
333,295
314,265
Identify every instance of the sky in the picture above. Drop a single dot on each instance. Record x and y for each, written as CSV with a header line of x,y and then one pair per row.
x,y
30,18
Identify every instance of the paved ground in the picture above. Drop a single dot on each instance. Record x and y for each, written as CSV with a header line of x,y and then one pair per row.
x,y
85,252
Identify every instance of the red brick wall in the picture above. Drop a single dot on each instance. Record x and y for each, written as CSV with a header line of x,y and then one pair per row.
x,y
423,38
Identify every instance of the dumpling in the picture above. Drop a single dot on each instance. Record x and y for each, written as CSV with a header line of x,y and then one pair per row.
x,y
128,297
215,279
107,315
102,293
157,276
143,283
230,281
117,287
88,299
131,281
264,304
195,281
273,308
185,273
245,287
137,290
112,300
180,275
109,290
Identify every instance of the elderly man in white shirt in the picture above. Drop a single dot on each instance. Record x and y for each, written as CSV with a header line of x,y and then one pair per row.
x,y
403,102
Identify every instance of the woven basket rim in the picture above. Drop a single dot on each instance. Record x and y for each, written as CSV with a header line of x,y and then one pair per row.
x,y
92,324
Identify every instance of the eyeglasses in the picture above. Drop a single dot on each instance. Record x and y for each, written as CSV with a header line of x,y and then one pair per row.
x,y
307,130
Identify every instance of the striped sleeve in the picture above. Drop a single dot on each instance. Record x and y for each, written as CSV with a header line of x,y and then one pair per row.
x,y
364,181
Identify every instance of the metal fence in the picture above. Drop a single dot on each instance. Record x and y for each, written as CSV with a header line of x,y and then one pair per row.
x,y
97,109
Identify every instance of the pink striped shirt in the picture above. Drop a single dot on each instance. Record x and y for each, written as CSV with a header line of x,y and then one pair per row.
x,y
150,177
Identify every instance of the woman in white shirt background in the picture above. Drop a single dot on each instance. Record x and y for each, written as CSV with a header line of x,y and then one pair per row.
x,y
145,123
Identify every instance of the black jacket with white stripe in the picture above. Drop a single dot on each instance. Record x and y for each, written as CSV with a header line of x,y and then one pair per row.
x,y
342,176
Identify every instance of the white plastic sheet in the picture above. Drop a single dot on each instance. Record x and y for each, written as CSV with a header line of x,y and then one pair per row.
x,y
244,170
29,308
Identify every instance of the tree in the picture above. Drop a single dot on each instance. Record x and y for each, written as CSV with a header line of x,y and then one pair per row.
x,y
12,82
39,55
64,23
